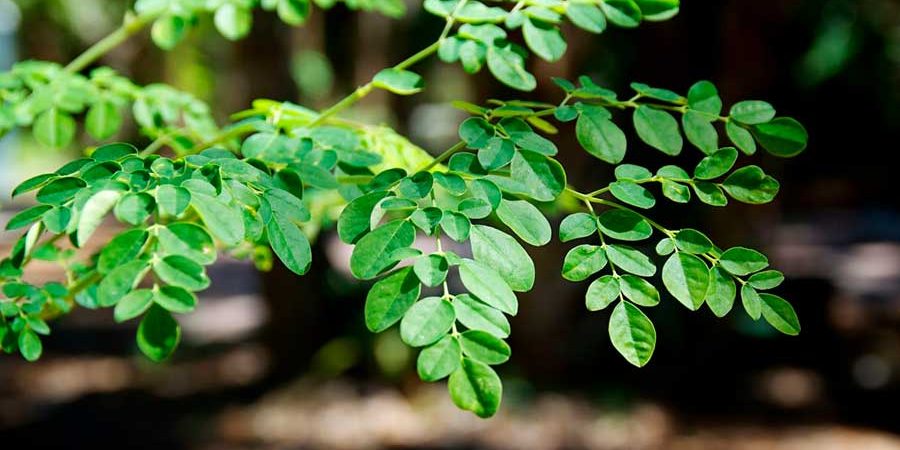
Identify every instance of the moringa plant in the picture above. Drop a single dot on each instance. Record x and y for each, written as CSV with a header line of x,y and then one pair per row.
x,y
270,179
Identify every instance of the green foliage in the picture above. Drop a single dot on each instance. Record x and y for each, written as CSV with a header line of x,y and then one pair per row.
x,y
267,183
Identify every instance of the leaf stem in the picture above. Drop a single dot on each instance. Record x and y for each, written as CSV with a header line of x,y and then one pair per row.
x,y
444,156
131,26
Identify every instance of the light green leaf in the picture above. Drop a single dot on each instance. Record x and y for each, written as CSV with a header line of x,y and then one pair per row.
x,y
30,345
508,66
544,39
431,269
475,387
103,120
583,261
587,17
497,153
687,278
703,96
630,260
767,279
223,221
54,128
526,221
602,292
710,193
93,212
658,129
390,298
484,347
475,315
700,131
427,321
456,225
692,241
743,261
439,360
751,301
401,82
474,208
158,334
541,178
639,290
752,112
624,225
134,304
134,208
120,281
632,193
721,292
741,137
717,164
121,249
632,333
187,239
233,21
58,219
577,226
505,255
293,12
183,272
624,13
168,31
599,136
175,299
485,283
289,243
172,200
780,314
751,185
374,252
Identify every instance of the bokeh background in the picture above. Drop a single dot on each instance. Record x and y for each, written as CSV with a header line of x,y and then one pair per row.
x,y
273,361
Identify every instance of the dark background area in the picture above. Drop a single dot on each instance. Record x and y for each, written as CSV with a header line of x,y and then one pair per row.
x,y
276,361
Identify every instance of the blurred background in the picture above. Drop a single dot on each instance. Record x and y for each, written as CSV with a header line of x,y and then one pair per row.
x,y
273,361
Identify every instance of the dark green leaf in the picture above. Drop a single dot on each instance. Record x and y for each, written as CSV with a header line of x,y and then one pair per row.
x,y
783,136
632,193
624,225
600,136
120,281
183,272
639,290
751,185
717,164
743,261
158,334
60,190
526,221
484,347
121,249
577,226
658,129
780,314
583,261
175,299
721,292
439,360
692,241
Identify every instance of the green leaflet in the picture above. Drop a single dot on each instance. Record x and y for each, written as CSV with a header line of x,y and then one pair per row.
x,y
183,272
375,252
223,220
632,333
93,212
630,260
783,136
583,261
484,347
120,281
187,239
134,304
440,359
354,221
639,290
602,292
475,387
577,226
431,269
402,82
504,254
721,292
658,129
780,314
486,284
751,301
508,66
427,321
686,277
121,249
526,221
544,39
390,298
624,225
175,299
476,315
289,243
743,261
158,334
600,136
